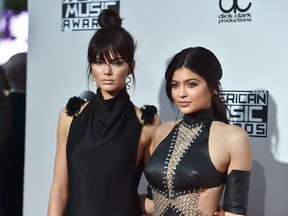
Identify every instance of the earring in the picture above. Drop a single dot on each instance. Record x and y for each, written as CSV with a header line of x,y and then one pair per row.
x,y
127,83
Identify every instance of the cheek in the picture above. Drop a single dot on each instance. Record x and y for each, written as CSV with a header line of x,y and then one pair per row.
x,y
122,79
206,97
95,72
121,74
201,94
173,94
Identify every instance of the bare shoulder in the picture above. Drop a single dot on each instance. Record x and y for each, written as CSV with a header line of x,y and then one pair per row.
x,y
235,141
229,132
64,123
63,116
162,131
148,129
165,127
65,119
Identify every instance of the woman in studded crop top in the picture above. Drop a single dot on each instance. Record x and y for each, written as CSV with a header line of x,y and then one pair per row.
x,y
101,143
196,157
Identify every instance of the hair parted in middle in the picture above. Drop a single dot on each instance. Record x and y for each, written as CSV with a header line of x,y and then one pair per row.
x,y
203,62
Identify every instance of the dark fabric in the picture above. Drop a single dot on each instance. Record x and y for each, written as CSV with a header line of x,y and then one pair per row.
x,y
5,118
5,126
14,157
101,156
236,192
149,192
194,171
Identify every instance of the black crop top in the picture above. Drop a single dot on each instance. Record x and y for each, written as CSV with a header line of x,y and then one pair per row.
x,y
181,163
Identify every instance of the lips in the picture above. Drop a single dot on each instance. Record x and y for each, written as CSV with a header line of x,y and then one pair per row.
x,y
184,103
107,81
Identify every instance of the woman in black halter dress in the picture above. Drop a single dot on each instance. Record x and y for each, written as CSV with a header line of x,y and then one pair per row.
x,y
101,143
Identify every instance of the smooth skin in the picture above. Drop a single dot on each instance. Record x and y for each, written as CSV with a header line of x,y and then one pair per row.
x,y
229,145
110,78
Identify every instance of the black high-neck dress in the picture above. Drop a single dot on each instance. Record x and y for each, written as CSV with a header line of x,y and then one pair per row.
x,y
101,157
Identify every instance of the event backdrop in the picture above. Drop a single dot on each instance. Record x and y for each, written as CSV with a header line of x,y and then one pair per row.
x,y
248,36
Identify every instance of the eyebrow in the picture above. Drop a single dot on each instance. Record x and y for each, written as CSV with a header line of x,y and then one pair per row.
x,y
191,79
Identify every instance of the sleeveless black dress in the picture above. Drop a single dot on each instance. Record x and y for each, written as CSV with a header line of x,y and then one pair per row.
x,y
181,167
101,156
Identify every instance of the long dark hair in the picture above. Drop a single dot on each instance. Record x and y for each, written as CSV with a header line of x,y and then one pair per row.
x,y
203,62
111,39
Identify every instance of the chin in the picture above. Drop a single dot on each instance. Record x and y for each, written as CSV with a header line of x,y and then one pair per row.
x,y
107,88
187,110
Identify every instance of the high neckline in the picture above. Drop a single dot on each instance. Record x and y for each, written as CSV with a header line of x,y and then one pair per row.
x,y
110,103
199,116
112,113
121,92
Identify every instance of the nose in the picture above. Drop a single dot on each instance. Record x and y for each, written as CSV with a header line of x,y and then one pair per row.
x,y
182,92
107,69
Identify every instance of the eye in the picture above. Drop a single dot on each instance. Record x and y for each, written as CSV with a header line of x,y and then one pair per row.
x,y
174,85
97,62
191,84
117,62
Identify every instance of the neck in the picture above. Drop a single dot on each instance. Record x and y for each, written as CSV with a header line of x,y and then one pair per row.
x,y
109,95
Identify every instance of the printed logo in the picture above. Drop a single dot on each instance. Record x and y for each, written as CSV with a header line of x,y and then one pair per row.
x,y
234,13
249,110
79,15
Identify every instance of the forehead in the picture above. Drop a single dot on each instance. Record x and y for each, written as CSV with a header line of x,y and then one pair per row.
x,y
184,74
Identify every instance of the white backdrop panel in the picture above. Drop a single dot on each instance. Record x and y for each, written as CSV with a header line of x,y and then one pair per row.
x,y
253,57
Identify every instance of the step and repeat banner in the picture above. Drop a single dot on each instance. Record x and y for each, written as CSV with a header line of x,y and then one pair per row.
x,y
249,37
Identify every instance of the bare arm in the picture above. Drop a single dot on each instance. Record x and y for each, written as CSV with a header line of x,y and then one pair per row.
x,y
149,131
59,189
239,150
146,204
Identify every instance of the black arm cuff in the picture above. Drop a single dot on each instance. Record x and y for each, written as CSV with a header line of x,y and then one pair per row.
x,y
236,192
